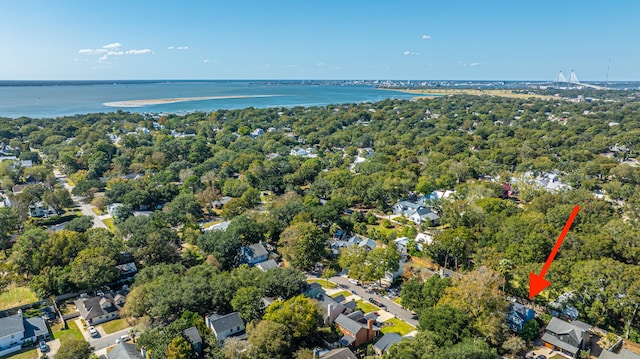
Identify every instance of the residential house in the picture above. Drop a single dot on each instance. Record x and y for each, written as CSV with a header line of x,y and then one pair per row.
x,y
368,244
38,209
221,202
127,270
222,226
257,133
416,212
568,338
124,350
266,265
401,245
224,326
340,353
314,290
194,337
331,308
356,329
101,308
382,345
336,245
15,330
518,315
423,239
254,254
113,207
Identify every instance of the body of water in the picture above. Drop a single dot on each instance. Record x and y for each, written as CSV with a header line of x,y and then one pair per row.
x,y
52,99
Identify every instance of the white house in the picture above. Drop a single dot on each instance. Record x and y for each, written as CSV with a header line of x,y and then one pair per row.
x,y
224,326
100,309
416,212
16,330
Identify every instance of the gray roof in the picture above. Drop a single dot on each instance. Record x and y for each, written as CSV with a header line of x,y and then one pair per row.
x,y
11,325
559,343
193,335
221,323
35,327
266,265
573,329
350,305
385,342
349,324
90,308
124,350
342,353
256,250
623,354
347,340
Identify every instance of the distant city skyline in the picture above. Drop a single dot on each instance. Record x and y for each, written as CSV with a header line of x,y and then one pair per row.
x,y
446,40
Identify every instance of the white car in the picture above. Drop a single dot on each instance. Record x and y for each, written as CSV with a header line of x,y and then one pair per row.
x,y
93,332
123,338
354,281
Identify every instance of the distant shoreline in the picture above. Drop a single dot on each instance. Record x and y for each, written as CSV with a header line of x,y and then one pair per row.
x,y
430,93
163,101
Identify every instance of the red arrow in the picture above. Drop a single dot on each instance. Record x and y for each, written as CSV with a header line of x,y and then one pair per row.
x,y
537,282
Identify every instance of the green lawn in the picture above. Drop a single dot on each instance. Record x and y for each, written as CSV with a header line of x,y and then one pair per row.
x,y
97,211
366,307
323,282
27,354
398,326
342,292
65,335
16,296
109,223
557,356
115,325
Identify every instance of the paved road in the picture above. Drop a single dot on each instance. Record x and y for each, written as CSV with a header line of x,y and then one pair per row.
x,y
106,341
84,207
392,307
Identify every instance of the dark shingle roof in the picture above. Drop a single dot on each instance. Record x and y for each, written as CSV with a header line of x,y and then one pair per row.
x,y
623,354
193,335
342,353
35,327
225,322
11,325
95,307
256,250
385,342
348,324
124,351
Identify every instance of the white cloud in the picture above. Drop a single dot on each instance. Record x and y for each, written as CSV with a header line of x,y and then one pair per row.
x,y
320,64
410,53
115,53
91,51
170,48
426,37
475,64
291,66
182,48
115,45
103,58
206,61
139,52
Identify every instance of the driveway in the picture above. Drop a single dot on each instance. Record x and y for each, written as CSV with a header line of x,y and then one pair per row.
x,y
103,340
54,345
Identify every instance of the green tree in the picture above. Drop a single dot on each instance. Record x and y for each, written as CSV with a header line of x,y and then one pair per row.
x,y
302,244
74,349
298,314
514,345
248,302
92,268
179,348
58,199
269,339
25,254
8,224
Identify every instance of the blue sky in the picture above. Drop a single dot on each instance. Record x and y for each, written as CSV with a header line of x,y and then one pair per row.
x,y
328,39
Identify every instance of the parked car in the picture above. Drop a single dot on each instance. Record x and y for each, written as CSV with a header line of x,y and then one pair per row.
x,y
354,281
43,346
93,332
376,302
123,338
